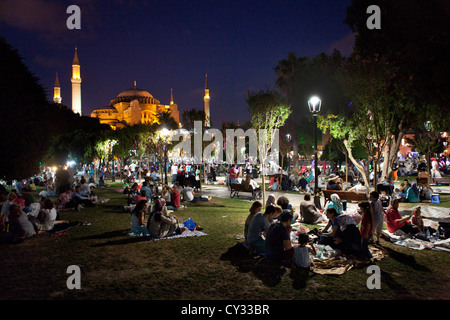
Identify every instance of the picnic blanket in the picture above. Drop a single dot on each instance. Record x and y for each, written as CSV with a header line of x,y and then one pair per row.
x,y
402,239
184,234
338,265
61,228
101,200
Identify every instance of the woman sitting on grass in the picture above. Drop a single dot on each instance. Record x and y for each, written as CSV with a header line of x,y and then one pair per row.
x,y
46,218
133,193
309,213
138,225
270,200
254,209
162,224
325,236
348,237
394,220
20,225
283,202
413,194
335,203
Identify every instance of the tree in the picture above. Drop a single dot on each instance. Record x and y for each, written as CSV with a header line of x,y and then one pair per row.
x,y
165,120
300,78
23,130
285,145
412,43
190,116
269,112
427,140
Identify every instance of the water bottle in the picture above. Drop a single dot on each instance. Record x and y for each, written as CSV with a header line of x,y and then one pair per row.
x,y
437,234
427,233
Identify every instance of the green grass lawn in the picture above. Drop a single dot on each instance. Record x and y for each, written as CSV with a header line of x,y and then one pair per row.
x,y
117,266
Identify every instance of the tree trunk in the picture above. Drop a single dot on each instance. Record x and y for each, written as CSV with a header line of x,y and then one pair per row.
x,y
375,172
295,154
390,154
263,181
346,171
359,167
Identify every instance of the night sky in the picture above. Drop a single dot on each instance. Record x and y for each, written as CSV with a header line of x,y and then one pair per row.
x,y
172,44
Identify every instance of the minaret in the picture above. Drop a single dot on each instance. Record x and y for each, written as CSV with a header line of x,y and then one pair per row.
x,y
171,97
57,91
206,99
76,84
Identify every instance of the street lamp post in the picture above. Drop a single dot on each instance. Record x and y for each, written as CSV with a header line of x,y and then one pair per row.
x,y
288,139
164,133
428,126
165,163
314,105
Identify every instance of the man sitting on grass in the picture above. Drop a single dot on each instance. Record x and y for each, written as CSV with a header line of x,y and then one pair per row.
x,y
175,202
189,194
278,243
258,227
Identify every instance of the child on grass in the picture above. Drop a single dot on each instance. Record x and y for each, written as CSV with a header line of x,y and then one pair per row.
x,y
417,221
302,251
366,229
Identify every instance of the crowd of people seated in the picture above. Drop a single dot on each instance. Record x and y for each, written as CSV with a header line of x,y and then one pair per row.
x,y
22,217
268,228
150,205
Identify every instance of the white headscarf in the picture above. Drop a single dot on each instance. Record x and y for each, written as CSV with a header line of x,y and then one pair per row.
x,y
337,201
346,220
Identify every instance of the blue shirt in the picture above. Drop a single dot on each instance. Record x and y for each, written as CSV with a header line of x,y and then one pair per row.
x,y
148,192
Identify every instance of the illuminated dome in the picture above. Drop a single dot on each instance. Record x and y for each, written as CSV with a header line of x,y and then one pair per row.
x,y
135,94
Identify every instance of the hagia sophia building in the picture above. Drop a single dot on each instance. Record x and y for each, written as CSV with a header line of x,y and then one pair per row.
x,y
131,106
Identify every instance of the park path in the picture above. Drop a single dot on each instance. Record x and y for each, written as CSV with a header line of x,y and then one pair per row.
x,y
428,210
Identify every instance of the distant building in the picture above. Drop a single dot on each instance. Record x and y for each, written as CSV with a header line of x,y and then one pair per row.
x,y
76,84
130,107
133,106
206,99
57,91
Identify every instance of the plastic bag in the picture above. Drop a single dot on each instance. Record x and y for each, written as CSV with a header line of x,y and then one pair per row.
x,y
302,229
190,224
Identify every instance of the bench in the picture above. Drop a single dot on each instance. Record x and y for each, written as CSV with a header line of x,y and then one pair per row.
x,y
437,181
423,182
236,188
345,196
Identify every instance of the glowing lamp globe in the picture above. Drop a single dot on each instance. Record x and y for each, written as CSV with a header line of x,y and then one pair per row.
x,y
314,105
